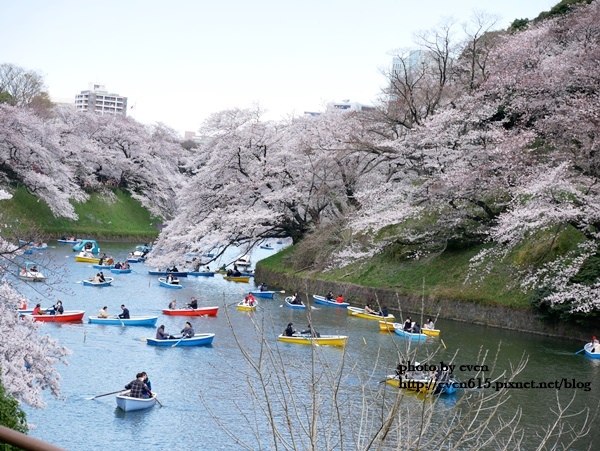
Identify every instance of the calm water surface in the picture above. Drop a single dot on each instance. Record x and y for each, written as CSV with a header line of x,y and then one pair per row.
x,y
105,358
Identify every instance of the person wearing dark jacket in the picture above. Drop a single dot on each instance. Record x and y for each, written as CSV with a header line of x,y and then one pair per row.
x,y
187,331
161,334
289,330
137,387
125,313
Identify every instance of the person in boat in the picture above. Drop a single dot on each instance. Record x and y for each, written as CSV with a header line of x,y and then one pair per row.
x,y
340,299
118,265
38,310
262,287
329,296
289,330
223,268
429,325
172,279
296,299
173,304
22,304
369,310
147,393
207,268
383,312
99,278
416,329
103,313
125,313
236,273
229,272
34,268
187,331
161,334
88,246
407,325
125,265
137,387
57,309
193,303
110,261
101,261
595,345
249,300
145,252
173,269
310,331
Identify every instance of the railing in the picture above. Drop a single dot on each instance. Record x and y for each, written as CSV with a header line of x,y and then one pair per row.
x,y
25,442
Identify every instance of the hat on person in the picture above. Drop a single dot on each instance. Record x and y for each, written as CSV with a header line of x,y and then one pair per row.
x,y
290,324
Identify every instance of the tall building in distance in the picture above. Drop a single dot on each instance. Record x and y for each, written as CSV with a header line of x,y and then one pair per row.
x,y
99,100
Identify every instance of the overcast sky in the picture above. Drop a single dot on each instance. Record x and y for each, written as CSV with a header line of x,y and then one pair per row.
x,y
178,61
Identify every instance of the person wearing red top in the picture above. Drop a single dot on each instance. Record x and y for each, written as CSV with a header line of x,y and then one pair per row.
x,y
340,299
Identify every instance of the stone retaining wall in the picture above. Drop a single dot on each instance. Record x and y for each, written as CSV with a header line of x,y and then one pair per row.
x,y
522,320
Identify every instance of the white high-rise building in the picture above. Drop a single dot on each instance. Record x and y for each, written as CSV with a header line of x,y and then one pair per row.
x,y
98,100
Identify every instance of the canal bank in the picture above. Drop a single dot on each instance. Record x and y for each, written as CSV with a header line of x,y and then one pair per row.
x,y
522,320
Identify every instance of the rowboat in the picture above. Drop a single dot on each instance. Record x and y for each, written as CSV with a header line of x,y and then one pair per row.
x,y
591,351
91,283
196,340
422,384
263,294
120,270
243,306
294,306
267,247
135,259
98,266
386,326
324,301
30,273
410,335
360,313
86,257
243,279
244,260
201,273
431,332
159,272
87,245
201,311
67,316
131,321
324,340
128,404
68,241
163,283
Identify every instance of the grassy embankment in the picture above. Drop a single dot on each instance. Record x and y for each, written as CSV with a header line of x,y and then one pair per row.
x,y
124,218
443,276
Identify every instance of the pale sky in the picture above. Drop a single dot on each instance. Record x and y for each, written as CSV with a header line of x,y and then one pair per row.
x,y
178,61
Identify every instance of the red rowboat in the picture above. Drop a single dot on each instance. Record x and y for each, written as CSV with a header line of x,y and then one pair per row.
x,y
202,311
67,316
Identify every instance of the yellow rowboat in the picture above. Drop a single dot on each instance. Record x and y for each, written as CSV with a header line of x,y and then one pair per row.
x,y
360,313
245,307
431,332
79,258
323,340
243,279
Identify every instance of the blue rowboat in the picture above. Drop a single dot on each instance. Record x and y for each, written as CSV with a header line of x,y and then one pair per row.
x,y
136,259
166,273
68,241
196,340
132,321
409,335
294,306
129,404
201,273
102,266
91,283
591,352
264,294
324,301
120,270
267,247
163,283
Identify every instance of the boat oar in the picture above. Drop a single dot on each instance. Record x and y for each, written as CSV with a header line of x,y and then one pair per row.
x,y
581,350
156,398
104,394
177,342
443,343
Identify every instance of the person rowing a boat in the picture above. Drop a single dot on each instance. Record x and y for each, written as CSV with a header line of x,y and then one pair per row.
x,y
262,287
310,331
125,314
137,387
407,325
369,310
329,296
193,303
295,299
383,312
57,309
187,331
